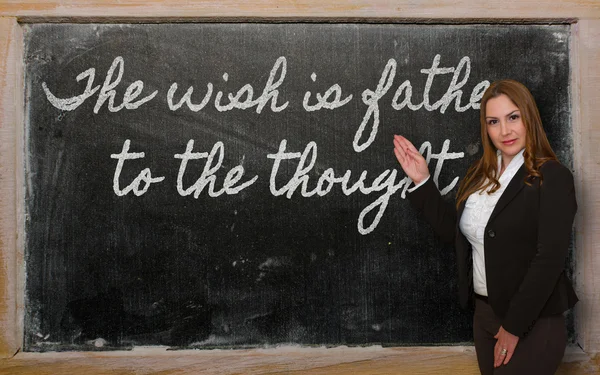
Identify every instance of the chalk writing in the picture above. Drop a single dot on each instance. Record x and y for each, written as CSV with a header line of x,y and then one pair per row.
x,y
144,176
303,181
386,181
323,99
106,92
372,97
242,99
207,177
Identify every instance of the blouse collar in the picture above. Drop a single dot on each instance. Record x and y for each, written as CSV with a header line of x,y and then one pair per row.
x,y
516,162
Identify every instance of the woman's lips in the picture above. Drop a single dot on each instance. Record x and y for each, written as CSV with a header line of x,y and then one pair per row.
x,y
509,142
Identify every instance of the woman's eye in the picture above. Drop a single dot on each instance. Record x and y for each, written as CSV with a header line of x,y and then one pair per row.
x,y
492,122
514,117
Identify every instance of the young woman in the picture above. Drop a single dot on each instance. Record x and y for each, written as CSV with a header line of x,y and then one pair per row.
x,y
511,226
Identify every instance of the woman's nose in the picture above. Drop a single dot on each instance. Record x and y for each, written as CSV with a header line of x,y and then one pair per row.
x,y
504,129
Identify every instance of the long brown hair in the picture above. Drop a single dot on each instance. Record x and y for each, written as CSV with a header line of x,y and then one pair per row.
x,y
483,174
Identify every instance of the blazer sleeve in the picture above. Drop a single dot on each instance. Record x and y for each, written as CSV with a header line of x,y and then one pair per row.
x,y
438,212
555,223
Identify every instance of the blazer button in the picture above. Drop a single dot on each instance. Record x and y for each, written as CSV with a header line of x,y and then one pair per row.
x,y
491,233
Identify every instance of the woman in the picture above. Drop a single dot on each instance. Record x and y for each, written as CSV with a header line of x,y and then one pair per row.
x,y
511,227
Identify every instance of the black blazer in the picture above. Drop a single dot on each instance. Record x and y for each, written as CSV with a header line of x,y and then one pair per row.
x,y
526,243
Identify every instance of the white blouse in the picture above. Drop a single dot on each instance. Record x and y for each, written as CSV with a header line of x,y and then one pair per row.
x,y
477,212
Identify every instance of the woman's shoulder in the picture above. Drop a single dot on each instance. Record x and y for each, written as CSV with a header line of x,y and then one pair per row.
x,y
554,172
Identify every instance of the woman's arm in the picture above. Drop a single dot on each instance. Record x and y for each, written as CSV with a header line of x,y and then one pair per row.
x,y
426,198
440,214
555,223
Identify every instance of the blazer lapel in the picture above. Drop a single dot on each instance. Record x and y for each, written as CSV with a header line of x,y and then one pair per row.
x,y
514,186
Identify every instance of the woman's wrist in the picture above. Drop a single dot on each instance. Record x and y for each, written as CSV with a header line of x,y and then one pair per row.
x,y
418,184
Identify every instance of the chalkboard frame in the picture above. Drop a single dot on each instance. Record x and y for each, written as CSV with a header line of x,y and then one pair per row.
x,y
115,260
584,50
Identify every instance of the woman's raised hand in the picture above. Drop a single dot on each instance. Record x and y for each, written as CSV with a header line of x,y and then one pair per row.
x,y
412,162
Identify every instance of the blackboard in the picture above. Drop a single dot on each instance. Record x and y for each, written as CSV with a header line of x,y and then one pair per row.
x,y
266,206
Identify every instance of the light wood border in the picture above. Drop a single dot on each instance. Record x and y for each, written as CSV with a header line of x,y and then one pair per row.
x,y
11,123
586,137
183,10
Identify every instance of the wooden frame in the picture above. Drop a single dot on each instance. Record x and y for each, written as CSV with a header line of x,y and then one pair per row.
x,y
585,16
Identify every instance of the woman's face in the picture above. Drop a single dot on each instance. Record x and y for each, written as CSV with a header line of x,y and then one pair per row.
x,y
505,127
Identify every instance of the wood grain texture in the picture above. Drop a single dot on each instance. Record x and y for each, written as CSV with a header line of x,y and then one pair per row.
x,y
182,9
285,360
461,360
11,109
587,169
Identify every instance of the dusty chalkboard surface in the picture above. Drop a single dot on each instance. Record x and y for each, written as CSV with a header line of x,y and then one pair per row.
x,y
233,185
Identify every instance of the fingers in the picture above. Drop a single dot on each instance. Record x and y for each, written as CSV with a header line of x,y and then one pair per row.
x,y
404,149
505,347
403,158
407,148
502,354
406,144
498,357
411,160
398,146
509,354
399,151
